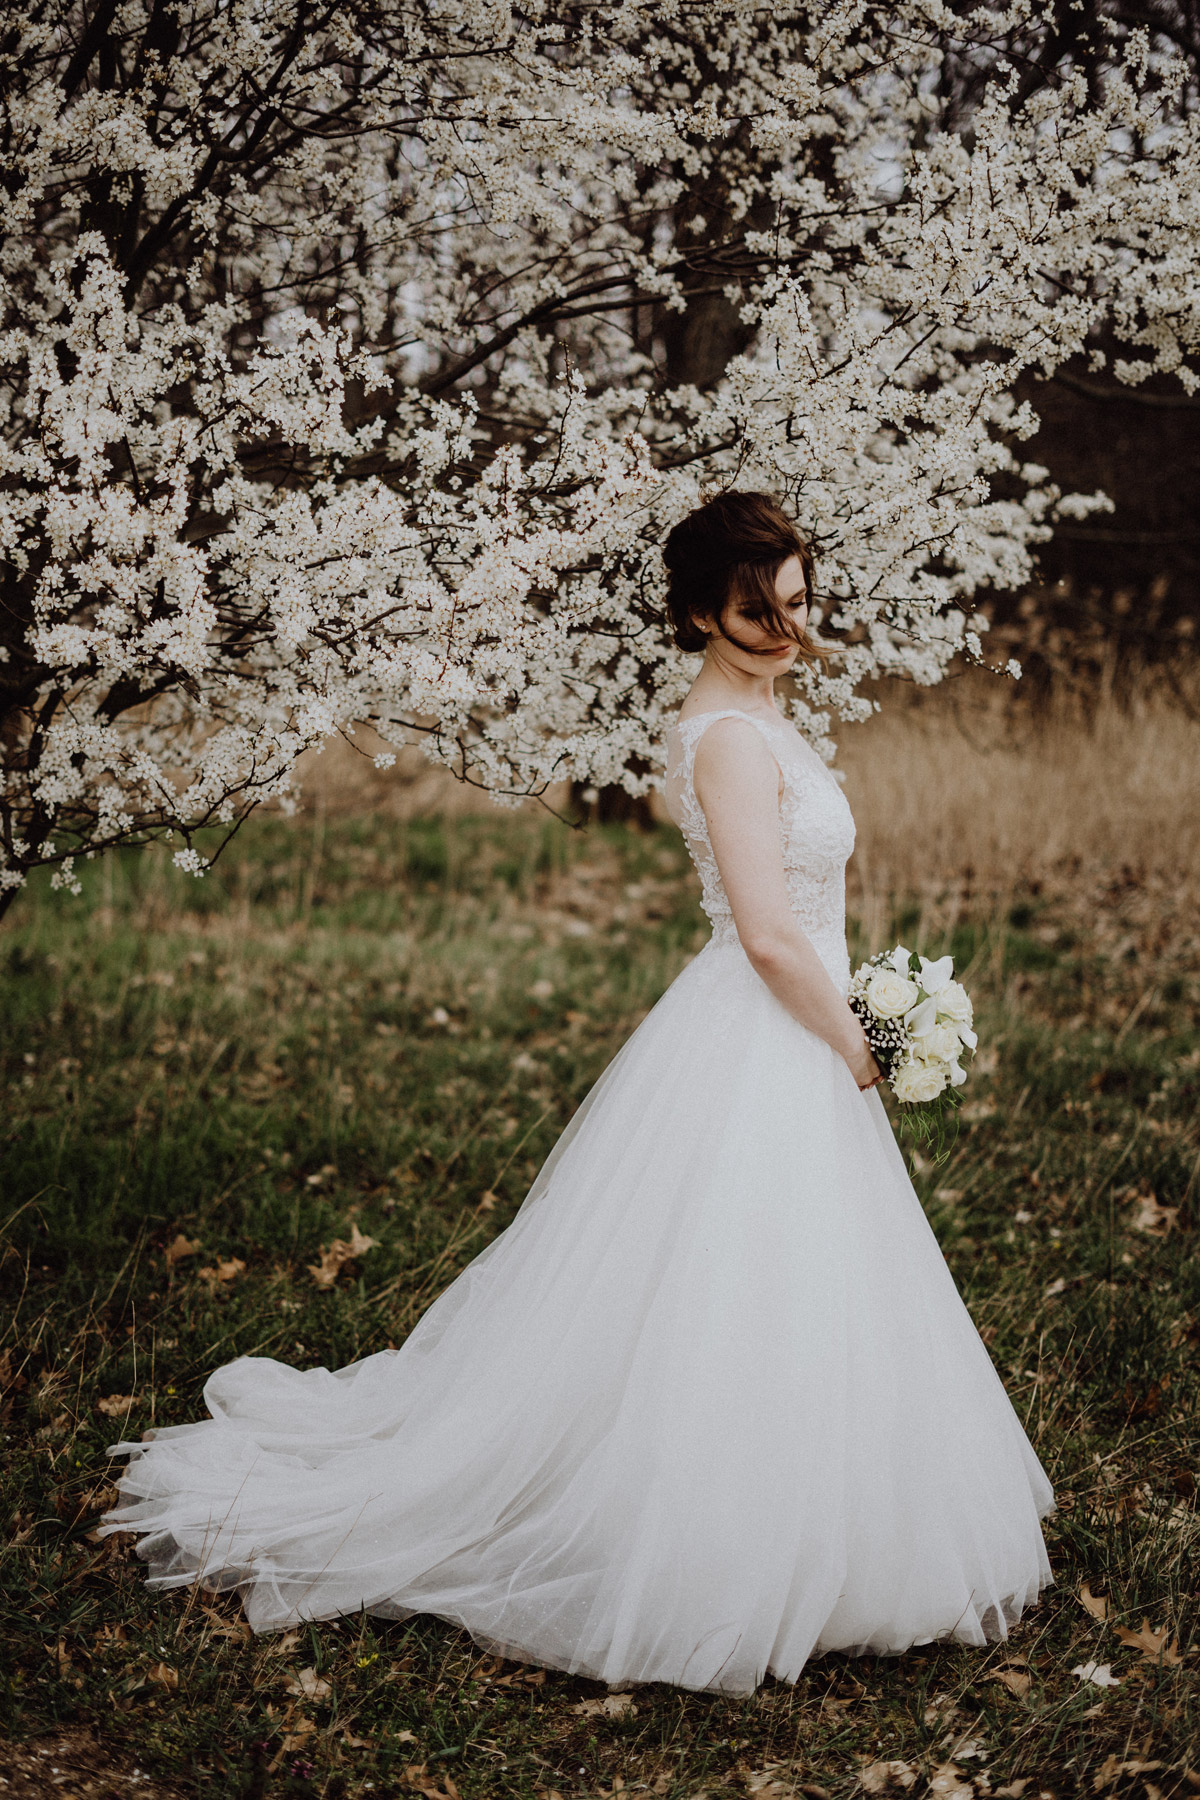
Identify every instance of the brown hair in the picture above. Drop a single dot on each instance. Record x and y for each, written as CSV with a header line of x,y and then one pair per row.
x,y
731,549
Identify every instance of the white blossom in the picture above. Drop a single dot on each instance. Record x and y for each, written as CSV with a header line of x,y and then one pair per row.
x,y
335,366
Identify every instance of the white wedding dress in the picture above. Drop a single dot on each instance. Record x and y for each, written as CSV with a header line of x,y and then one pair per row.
x,y
711,1404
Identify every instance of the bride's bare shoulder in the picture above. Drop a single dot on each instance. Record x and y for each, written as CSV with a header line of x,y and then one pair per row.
x,y
734,747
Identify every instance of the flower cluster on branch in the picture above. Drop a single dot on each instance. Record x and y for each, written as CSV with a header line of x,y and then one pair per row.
x,y
356,357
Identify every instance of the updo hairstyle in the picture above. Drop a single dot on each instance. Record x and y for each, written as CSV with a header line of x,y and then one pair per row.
x,y
729,550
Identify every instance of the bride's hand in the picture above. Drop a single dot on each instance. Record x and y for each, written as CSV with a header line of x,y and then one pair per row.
x,y
865,1070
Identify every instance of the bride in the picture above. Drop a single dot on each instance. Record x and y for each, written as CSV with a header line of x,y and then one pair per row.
x,y
711,1404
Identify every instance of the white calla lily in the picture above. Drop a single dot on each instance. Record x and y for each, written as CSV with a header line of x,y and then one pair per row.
x,y
922,1018
935,975
900,958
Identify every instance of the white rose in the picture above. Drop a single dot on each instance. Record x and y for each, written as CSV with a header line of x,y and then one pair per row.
x,y
941,1044
954,1004
889,995
915,1081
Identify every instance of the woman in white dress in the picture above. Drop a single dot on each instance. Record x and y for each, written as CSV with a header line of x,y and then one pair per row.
x,y
712,1403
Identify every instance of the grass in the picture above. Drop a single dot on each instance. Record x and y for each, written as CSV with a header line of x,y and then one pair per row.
x,y
382,1023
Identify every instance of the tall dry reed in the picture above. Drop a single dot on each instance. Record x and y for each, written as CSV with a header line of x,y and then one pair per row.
x,y
958,784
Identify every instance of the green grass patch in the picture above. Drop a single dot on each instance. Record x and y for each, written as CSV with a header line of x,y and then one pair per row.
x,y
363,1023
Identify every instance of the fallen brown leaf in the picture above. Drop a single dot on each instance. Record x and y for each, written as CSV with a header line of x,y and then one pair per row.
x,y
1112,1768
226,1628
487,1668
417,1775
1151,1218
163,1676
339,1253
179,1248
770,1783
308,1684
878,1777
1097,1674
116,1405
1096,1604
949,1783
222,1272
608,1706
297,1734
1014,1789
1013,1677
1153,1643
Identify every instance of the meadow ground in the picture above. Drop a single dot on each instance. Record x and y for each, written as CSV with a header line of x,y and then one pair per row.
x,y
368,1023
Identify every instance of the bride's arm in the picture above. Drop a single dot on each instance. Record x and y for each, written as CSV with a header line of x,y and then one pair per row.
x,y
737,783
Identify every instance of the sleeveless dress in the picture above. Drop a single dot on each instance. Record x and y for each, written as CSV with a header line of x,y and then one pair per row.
x,y
712,1403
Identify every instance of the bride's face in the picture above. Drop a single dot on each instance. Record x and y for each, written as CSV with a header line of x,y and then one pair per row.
x,y
780,652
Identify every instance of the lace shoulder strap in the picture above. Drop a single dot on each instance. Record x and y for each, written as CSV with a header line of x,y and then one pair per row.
x,y
693,729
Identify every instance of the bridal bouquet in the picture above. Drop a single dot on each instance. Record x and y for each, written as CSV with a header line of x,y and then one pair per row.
x,y
917,1019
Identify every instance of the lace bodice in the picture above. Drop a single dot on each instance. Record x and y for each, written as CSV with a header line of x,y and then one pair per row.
x,y
815,822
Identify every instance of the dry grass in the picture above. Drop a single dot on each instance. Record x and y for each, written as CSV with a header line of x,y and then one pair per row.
x,y
961,785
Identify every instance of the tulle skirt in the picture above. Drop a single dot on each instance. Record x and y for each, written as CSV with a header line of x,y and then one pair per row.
x,y
711,1404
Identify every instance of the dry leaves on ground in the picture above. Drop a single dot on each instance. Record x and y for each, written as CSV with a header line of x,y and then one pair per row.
x,y
116,1405
417,1776
307,1684
519,1675
296,1734
220,1627
1096,1604
775,1782
1112,1768
221,1273
1153,1643
1097,1674
339,1253
1014,1676
608,1706
179,1248
75,1763
884,1777
162,1675
947,1782
1151,1218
